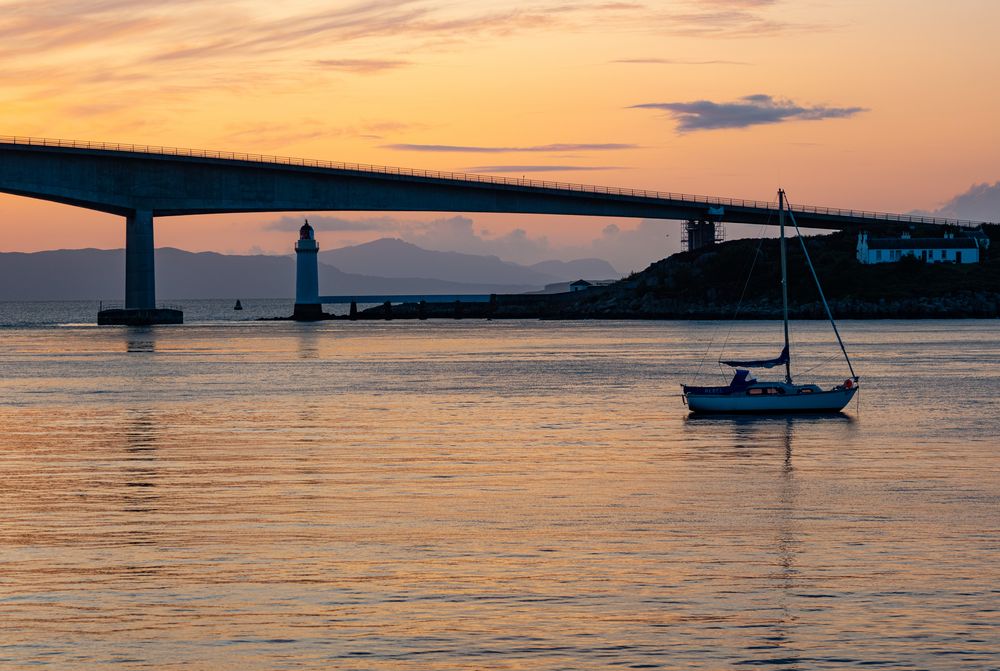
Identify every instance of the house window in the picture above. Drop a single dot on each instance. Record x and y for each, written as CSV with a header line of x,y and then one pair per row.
x,y
878,255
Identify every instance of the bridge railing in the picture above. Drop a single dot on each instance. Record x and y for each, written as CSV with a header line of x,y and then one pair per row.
x,y
487,179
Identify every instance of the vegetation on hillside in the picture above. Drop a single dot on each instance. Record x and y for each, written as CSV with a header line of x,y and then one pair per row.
x,y
711,282
741,278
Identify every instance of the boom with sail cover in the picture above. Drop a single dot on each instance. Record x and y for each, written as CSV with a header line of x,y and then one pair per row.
x,y
761,363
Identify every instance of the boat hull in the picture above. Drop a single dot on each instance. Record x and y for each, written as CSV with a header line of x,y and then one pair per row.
x,y
834,400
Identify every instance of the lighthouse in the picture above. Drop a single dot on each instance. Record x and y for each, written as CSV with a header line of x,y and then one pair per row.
x,y
307,305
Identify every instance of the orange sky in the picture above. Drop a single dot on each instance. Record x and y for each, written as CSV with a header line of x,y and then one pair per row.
x,y
879,104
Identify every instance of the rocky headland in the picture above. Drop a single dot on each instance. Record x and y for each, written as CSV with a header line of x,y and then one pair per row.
x,y
741,279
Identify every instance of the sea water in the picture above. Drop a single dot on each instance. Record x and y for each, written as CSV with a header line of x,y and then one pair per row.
x,y
234,494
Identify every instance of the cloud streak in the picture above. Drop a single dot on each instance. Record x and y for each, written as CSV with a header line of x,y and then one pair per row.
x,y
752,110
304,129
674,61
361,65
175,53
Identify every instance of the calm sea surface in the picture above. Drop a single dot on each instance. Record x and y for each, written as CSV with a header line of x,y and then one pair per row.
x,y
488,495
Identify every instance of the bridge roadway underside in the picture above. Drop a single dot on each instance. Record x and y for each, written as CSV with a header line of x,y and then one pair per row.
x,y
141,186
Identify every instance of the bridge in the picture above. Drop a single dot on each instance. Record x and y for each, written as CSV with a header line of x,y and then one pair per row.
x,y
140,183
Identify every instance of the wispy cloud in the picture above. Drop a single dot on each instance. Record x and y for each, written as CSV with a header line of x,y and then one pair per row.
x,y
542,148
161,63
361,65
748,111
280,135
675,61
739,3
139,47
294,131
175,53
729,19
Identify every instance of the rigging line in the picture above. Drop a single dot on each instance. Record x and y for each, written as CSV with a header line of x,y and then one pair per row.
x,y
708,349
715,331
822,295
739,304
819,365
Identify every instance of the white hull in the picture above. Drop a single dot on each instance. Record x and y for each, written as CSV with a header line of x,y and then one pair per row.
x,y
740,402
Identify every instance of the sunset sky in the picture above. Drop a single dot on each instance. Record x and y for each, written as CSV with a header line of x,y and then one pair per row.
x,y
878,104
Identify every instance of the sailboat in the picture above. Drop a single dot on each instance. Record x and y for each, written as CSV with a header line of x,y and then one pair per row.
x,y
746,395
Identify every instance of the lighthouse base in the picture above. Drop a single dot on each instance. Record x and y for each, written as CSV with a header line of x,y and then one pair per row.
x,y
308,312
139,317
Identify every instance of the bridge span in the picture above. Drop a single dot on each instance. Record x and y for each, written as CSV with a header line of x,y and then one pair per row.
x,y
140,183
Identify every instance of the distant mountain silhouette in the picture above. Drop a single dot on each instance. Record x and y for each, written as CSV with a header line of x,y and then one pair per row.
x,y
92,274
62,274
569,271
391,257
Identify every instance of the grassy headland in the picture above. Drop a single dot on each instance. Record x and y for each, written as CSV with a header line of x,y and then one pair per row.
x,y
709,283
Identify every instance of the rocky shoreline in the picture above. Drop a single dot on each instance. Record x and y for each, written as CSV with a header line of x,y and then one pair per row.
x,y
979,305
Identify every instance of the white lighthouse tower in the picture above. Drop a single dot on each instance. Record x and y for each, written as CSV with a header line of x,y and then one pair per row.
x,y
307,305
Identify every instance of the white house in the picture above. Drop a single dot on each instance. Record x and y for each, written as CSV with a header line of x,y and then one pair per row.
x,y
949,249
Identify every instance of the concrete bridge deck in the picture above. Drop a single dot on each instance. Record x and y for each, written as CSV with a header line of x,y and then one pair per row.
x,y
144,182
170,181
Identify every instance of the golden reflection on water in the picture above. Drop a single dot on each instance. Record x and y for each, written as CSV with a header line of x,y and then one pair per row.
x,y
472,495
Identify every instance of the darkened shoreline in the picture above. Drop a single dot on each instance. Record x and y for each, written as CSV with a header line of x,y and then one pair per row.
x,y
507,307
739,279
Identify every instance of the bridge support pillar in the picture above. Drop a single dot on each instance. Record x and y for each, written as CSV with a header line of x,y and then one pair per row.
x,y
698,234
140,272
140,279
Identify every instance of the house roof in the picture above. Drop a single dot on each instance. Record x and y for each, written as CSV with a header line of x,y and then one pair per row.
x,y
581,283
921,243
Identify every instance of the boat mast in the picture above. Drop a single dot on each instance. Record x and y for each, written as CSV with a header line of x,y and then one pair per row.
x,y
826,306
784,283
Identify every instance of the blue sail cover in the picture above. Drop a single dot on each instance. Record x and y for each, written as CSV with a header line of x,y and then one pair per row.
x,y
761,363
